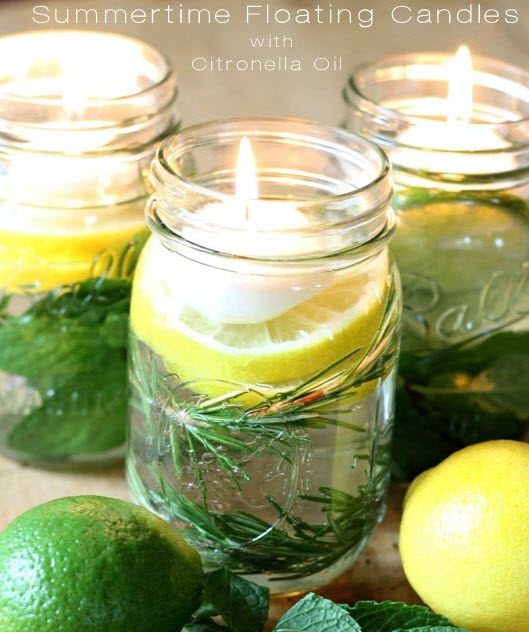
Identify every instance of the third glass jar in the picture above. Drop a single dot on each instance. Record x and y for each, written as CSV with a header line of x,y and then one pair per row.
x,y
462,244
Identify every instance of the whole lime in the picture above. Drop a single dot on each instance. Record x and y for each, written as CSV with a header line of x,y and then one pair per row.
x,y
94,564
464,537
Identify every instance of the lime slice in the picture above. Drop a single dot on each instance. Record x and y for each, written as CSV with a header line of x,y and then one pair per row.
x,y
280,351
460,245
41,259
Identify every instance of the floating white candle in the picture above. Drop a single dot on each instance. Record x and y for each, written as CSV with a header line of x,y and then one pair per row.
x,y
458,134
70,165
225,296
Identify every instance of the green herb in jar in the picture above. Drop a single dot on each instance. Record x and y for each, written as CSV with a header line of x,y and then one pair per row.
x,y
70,348
464,366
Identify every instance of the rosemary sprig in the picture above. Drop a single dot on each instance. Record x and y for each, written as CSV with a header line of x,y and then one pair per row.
x,y
246,422
247,544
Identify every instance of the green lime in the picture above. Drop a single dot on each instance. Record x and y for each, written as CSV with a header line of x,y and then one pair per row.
x,y
459,245
88,563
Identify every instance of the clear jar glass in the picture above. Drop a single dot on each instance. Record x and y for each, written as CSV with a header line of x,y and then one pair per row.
x,y
462,245
263,346
81,116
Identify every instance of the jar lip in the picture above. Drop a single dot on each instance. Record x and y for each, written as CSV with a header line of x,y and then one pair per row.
x,y
168,76
144,147
383,175
174,241
353,90
323,190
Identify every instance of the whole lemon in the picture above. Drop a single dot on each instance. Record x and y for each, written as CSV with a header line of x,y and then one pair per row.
x,y
464,538
94,564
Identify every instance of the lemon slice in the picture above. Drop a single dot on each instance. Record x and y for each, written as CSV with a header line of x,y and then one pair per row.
x,y
41,259
283,350
460,245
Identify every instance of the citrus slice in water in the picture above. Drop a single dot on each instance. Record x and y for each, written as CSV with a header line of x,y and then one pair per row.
x,y
344,316
38,258
460,245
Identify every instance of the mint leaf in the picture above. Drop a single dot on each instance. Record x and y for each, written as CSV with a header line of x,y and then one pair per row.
x,y
205,626
316,614
242,604
389,616
435,628
70,346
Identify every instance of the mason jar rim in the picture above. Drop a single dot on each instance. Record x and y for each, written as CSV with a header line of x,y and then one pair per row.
x,y
43,109
383,175
354,94
134,151
330,224
168,75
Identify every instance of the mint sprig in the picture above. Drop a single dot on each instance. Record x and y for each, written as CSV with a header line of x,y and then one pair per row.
x,y
316,614
243,606
436,415
70,346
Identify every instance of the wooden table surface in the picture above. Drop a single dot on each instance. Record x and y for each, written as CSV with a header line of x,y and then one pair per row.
x,y
311,94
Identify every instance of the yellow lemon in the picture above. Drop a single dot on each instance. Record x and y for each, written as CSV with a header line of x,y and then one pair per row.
x,y
296,344
464,538
415,483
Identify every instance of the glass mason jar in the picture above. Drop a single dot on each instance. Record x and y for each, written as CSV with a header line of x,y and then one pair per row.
x,y
81,115
462,245
263,348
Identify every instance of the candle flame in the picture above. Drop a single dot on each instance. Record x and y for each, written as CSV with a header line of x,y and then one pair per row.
x,y
459,101
104,68
73,60
246,187
74,67
74,95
